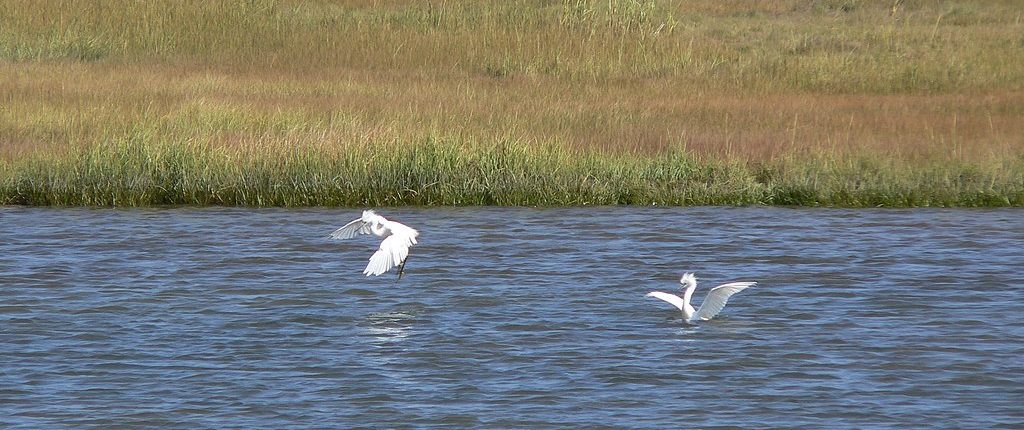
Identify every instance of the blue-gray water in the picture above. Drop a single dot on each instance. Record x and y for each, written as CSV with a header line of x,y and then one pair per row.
x,y
511,318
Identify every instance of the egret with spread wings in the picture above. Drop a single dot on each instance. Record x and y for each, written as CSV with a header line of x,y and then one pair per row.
x,y
713,303
394,249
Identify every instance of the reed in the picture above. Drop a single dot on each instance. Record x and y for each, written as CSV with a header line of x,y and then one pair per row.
x,y
528,102
141,170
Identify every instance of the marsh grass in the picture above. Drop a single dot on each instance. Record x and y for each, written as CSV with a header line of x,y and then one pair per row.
x,y
138,172
528,102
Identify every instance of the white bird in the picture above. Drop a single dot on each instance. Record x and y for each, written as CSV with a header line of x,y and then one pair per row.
x,y
394,249
713,302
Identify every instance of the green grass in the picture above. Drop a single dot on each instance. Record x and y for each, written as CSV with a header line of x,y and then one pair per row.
x,y
141,171
528,102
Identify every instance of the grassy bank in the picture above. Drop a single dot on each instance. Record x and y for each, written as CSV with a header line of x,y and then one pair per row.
x,y
140,171
365,103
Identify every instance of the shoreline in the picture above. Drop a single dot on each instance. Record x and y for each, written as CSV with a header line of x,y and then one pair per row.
x,y
436,173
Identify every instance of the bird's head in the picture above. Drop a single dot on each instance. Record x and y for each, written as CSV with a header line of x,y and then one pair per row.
x,y
688,280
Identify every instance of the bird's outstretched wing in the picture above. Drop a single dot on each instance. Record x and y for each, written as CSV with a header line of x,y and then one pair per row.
x,y
352,229
393,250
716,299
671,298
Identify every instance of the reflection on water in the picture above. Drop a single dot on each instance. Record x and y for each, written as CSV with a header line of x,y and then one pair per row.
x,y
511,318
388,326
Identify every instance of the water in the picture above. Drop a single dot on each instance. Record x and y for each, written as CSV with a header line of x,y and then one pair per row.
x,y
511,318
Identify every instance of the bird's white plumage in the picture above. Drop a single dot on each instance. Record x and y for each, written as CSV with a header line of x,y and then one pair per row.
x,y
671,298
352,229
716,299
713,303
394,249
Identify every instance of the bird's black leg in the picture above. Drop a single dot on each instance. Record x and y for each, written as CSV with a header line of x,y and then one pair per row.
x,y
401,269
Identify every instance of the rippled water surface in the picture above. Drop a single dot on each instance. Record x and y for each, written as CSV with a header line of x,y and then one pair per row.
x,y
511,318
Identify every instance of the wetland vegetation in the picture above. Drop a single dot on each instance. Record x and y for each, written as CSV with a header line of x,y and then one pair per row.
x,y
368,103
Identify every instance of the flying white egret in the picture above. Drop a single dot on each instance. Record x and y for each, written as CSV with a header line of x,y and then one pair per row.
x,y
394,249
713,302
